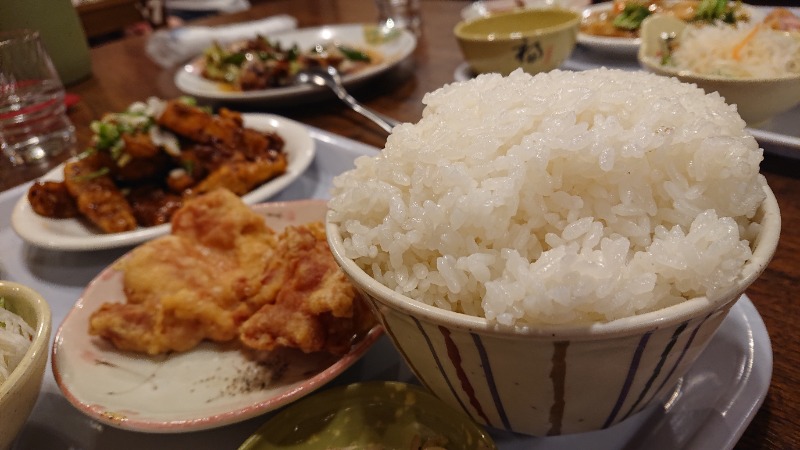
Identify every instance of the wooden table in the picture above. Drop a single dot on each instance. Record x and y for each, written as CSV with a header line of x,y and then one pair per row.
x,y
101,17
123,74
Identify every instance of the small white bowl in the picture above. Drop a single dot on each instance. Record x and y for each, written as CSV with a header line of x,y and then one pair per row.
x,y
756,99
554,380
18,394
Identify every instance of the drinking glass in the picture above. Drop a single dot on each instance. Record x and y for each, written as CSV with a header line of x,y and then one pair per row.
x,y
401,14
34,126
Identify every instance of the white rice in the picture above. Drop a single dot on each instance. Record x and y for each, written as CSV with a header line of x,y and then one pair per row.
x,y
710,50
15,338
559,198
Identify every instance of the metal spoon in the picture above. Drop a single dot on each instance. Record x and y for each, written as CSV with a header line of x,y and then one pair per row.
x,y
330,77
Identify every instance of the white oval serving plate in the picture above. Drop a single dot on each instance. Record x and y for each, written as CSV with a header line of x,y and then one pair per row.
x,y
75,234
190,80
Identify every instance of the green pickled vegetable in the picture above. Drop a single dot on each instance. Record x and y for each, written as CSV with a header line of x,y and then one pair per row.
x,y
631,17
353,54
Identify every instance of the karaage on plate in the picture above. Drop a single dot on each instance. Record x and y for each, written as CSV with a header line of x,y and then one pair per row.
x,y
224,275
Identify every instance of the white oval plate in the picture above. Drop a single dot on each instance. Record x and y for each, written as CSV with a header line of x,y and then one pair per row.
x,y
207,387
75,234
189,79
484,8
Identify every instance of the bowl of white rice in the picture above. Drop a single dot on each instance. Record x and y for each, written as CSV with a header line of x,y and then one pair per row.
x,y
551,253
751,65
25,324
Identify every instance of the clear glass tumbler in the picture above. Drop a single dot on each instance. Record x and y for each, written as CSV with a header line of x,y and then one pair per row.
x,y
34,126
401,14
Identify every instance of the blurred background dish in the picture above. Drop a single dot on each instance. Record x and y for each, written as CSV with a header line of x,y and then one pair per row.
x,y
536,40
613,27
370,415
19,392
392,48
758,94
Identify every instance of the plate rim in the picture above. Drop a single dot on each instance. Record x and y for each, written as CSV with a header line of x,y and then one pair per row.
x,y
184,74
302,155
233,415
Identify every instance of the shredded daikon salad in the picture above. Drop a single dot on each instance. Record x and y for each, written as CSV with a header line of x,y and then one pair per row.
x,y
740,51
15,338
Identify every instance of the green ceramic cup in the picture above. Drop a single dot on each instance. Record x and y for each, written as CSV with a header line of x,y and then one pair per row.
x,y
61,31
536,40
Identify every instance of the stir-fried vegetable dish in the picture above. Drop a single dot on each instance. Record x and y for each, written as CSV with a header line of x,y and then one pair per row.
x,y
145,161
261,64
625,17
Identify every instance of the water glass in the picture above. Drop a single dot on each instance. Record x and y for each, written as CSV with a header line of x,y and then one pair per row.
x,y
401,14
34,127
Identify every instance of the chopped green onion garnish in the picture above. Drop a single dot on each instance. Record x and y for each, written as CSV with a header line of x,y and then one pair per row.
x,y
92,175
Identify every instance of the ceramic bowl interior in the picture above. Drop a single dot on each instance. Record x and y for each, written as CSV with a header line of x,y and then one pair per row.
x,y
18,394
557,379
757,99
369,415
536,40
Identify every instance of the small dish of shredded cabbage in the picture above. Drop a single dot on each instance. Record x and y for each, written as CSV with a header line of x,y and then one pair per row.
x,y
15,338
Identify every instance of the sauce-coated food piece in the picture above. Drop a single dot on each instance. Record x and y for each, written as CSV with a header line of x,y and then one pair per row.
x,y
97,196
145,162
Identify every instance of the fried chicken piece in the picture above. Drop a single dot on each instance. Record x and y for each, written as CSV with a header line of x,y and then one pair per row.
x,y
177,295
196,124
224,133
52,199
222,221
140,145
234,157
241,177
143,170
258,145
306,301
153,205
224,274
97,197
190,285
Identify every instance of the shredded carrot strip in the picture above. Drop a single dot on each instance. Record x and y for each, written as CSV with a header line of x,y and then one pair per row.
x,y
738,47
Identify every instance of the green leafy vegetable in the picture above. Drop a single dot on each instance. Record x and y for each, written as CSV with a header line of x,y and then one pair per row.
x,y
106,134
92,175
631,17
234,58
713,10
353,54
